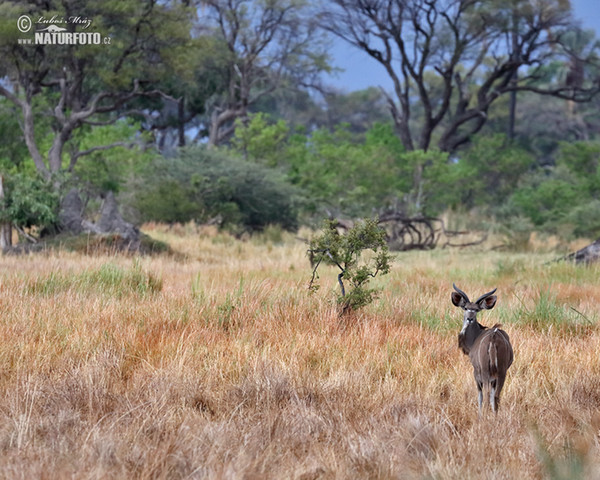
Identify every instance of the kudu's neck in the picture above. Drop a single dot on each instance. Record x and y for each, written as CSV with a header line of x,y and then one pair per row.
x,y
467,337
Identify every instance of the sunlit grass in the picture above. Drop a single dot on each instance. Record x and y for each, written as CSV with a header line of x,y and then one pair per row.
x,y
110,280
218,363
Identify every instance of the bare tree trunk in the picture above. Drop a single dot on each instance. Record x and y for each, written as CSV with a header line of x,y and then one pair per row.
x,y
220,124
213,133
511,114
5,227
514,79
181,121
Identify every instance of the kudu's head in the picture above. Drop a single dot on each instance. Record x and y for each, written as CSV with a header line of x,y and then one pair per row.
x,y
471,327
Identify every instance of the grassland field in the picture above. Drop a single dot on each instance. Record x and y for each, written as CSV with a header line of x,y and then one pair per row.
x,y
217,363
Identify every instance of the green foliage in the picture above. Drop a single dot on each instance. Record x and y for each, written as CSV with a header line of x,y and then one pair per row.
x,y
142,43
582,159
168,201
29,201
359,109
546,199
431,179
488,172
13,151
341,173
107,170
585,219
563,199
261,141
201,184
148,42
345,252
347,169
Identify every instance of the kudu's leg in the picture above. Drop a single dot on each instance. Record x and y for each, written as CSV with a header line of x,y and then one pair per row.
x,y
493,396
499,386
480,396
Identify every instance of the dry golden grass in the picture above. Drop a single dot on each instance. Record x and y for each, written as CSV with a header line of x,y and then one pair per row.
x,y
218,364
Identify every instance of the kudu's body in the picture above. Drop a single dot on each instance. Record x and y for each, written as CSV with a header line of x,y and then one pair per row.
x,y
489,349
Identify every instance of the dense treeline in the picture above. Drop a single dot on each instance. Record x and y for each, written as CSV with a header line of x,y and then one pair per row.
x,y
222,111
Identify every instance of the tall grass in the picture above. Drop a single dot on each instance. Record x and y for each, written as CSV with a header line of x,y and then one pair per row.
x,y
223,366
110,280
545,313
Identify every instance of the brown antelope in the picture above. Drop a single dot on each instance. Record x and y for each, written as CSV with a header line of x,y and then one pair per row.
x,y
489,349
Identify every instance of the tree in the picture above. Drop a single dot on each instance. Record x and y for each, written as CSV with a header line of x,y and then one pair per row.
x,y
194,76
5,224
13,162
450,60
269,44
345,252
85,84
564,198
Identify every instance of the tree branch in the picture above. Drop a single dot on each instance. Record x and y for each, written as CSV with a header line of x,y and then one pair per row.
x,y
28,130
77,155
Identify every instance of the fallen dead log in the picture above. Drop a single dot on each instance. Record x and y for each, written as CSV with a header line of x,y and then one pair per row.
x,y
419,233
584,256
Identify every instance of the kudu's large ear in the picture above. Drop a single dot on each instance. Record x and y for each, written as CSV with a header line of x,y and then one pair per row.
x,y
488,302
458,300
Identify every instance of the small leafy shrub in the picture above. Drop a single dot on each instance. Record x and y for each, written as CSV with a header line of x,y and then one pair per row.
x,y
345,251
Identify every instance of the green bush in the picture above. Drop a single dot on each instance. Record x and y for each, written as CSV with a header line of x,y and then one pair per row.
x,y
563,199
585,219
582,159
168,201
548,202
489,171
200,184
29,201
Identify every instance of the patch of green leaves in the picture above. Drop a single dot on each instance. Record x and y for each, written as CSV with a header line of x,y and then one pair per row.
x,y
29,201
345,251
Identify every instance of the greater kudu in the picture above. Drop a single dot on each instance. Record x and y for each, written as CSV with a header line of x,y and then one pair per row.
x,y
489,349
